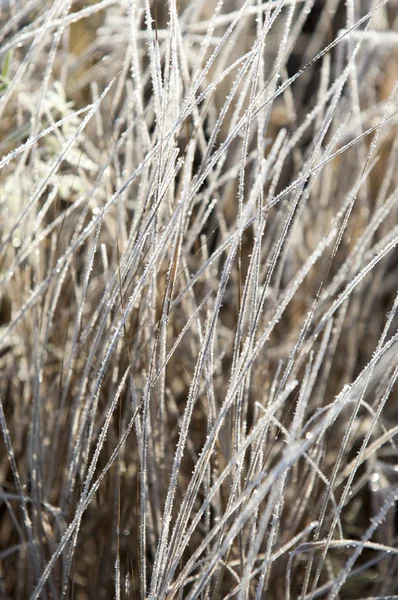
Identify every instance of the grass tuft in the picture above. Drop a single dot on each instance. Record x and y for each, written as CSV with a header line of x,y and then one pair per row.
x,y
198,299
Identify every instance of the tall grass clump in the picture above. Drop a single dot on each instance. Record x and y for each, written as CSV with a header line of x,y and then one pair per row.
x,y
199,299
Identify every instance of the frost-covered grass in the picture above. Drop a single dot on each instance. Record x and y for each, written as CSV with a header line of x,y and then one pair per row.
x,y
199,294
